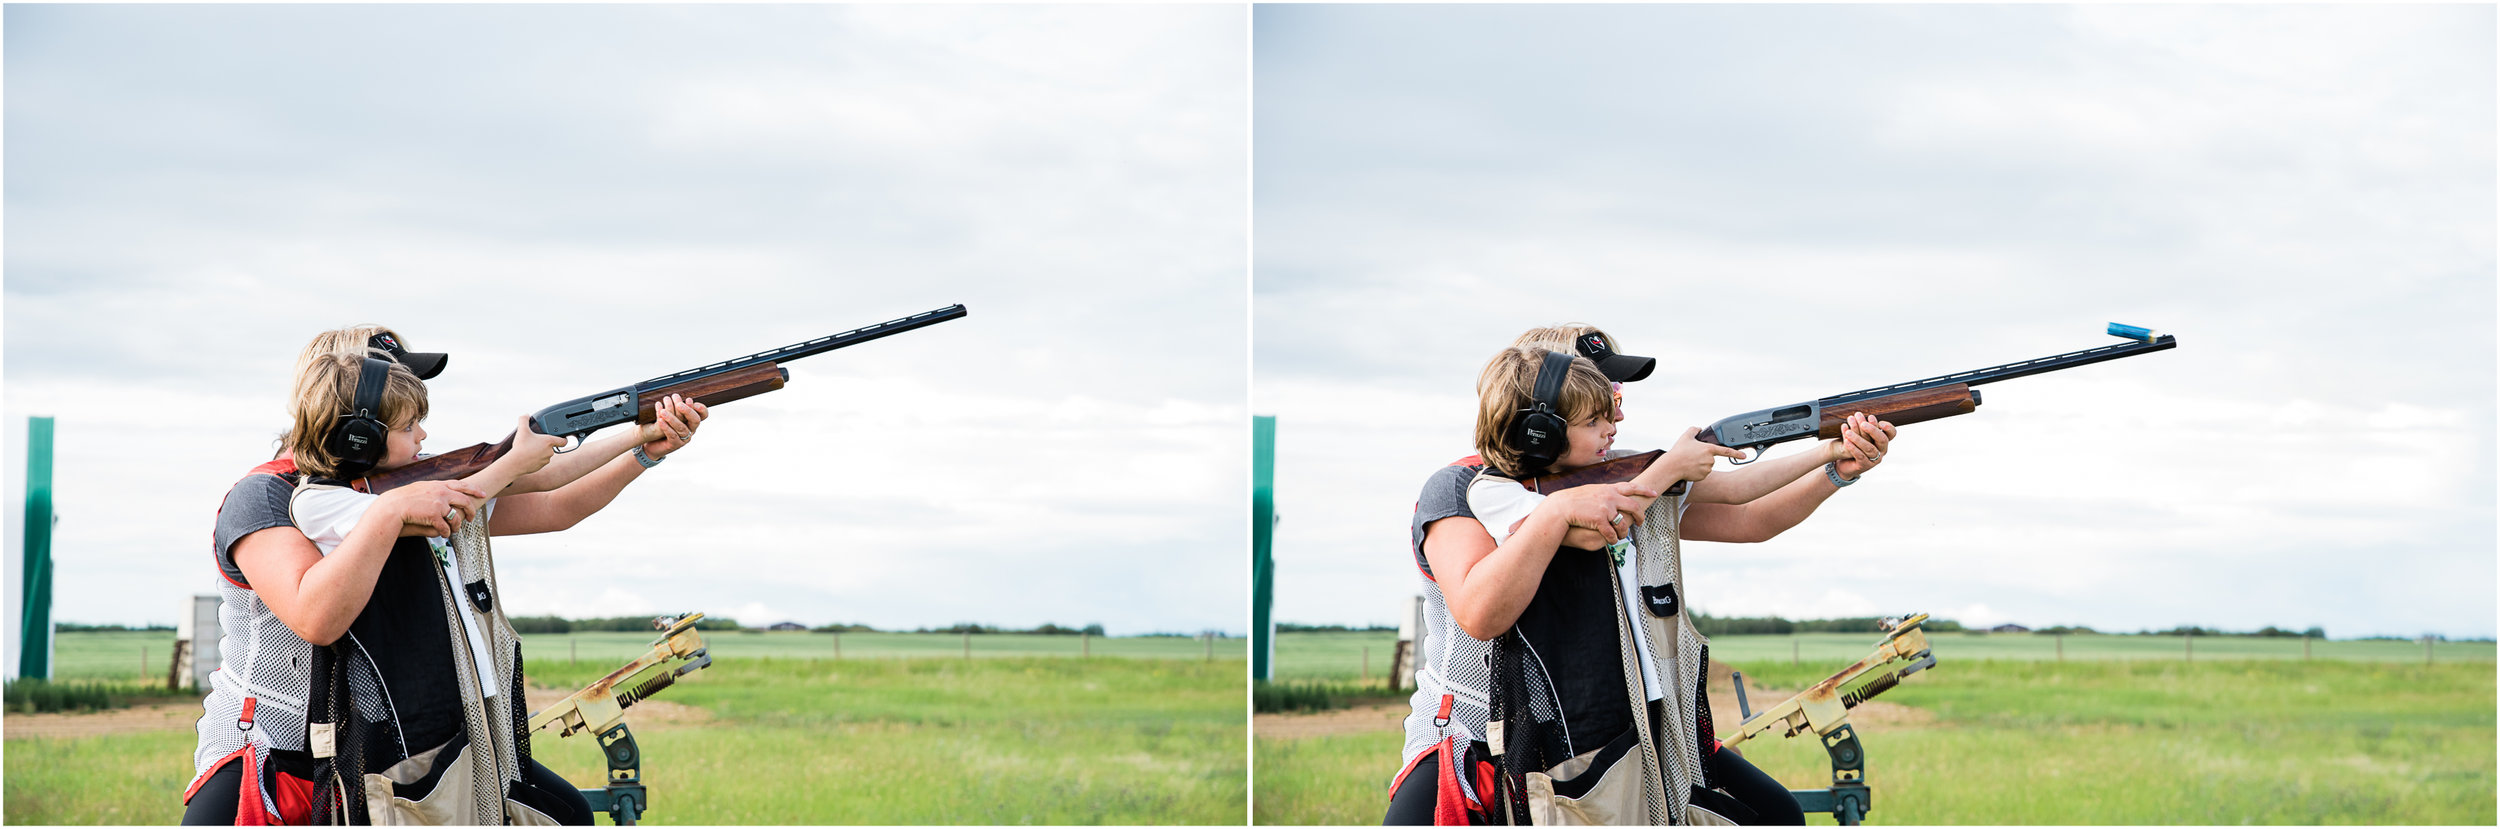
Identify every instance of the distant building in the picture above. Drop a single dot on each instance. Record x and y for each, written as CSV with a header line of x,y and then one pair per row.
x,y
787,626
2009,627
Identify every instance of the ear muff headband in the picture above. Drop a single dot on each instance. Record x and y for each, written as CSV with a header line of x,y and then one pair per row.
x,y
1542,436
360,439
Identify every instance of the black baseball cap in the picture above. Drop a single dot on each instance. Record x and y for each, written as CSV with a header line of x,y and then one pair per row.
x,y
425,364
1621,368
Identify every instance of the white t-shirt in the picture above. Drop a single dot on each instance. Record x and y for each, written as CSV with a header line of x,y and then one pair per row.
x,y
327,514
1500,503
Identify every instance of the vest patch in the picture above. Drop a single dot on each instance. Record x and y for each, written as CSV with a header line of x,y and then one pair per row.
x,y
1660,599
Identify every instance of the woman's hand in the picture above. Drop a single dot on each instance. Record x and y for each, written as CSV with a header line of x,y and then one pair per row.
x,y
430,508
1598,515
674,428
1862,444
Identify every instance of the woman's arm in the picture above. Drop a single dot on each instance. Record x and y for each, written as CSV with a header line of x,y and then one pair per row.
x,y
1487,585
547,512
317,596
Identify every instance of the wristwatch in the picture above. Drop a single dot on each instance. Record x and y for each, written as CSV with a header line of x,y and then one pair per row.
x,y
647,461
1831,469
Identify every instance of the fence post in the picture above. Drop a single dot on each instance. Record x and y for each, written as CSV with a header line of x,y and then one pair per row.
x,y
967,644
2189,638
1085,641
837,644
2426,649
2304,647
1210,637
2061,647
576,646
1262,541
1792,650
1367,663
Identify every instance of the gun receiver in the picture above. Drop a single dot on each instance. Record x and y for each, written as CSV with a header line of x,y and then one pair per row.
x,y
710,385
600,709
1824,710
1900,404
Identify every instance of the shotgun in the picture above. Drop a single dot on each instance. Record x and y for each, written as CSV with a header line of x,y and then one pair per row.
x,y
1900,404
709,385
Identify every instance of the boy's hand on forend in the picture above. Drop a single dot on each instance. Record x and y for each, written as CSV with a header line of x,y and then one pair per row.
x,y
1862,443
674,427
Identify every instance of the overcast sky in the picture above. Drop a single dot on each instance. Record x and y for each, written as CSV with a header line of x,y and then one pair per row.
x,y
571,198
1786,202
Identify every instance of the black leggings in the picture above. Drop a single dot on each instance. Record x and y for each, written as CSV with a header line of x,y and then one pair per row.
x,y
540,788
1752,798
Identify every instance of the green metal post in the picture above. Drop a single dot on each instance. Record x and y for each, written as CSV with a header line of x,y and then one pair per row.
x,y
34,649
1262,535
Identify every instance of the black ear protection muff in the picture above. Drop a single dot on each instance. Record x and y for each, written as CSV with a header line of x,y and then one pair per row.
x,y
360,440
1543,435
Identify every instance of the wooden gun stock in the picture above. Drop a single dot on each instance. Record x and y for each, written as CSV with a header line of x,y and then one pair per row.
x,y
452,465
711,390
1610,472
1898,409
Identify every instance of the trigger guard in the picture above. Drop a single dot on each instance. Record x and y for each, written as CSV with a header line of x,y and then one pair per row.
x,y
571,442
1757,455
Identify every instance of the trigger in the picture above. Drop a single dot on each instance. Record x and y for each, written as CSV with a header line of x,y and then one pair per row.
x,y
1757,455
571,442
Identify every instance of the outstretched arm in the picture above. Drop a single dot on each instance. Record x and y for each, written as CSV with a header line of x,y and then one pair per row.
x,y
1768,516
546,512
1755,480
590,457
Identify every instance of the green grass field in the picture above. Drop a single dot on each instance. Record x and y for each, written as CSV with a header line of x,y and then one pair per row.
x,y
2362,733
135,654
795,738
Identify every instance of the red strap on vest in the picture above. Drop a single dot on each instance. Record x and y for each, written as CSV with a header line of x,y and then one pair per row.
x,y
248,810
1450,807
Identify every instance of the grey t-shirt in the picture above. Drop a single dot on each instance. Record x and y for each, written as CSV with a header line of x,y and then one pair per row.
x,y
258,502
1444,496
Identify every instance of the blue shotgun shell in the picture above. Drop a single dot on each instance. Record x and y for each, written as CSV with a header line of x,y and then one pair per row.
x,y
2130,332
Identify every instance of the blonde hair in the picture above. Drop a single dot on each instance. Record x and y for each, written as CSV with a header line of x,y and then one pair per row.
x,y
325,394
1506,393
354,340
1565,337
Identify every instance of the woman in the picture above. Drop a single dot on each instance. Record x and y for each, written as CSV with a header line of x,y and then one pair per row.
x,y
283,600
1475,589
